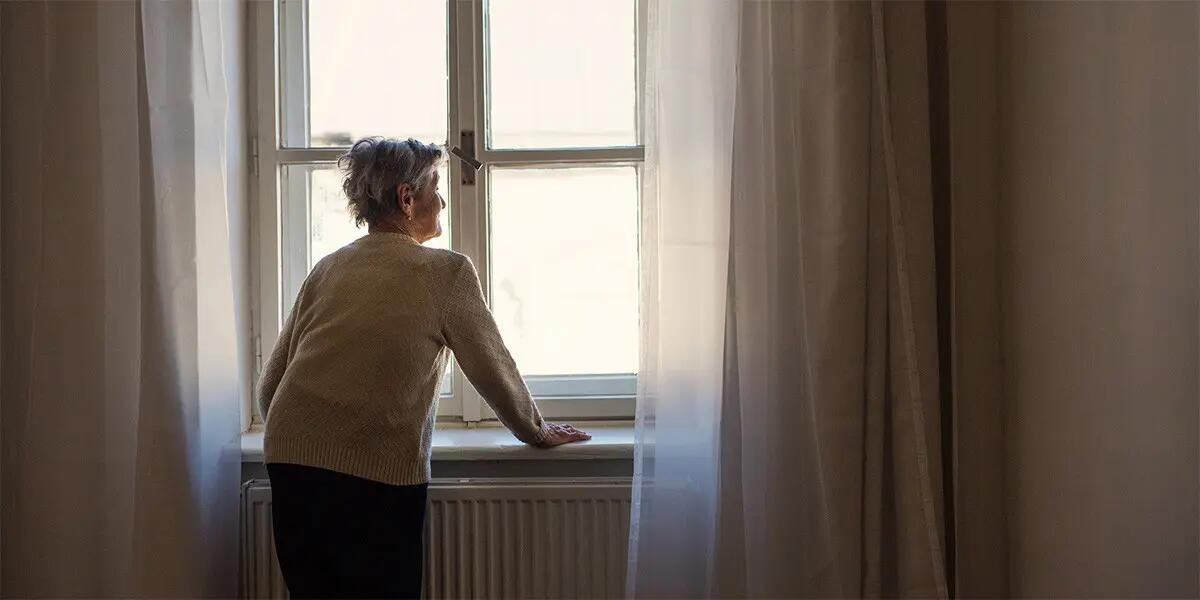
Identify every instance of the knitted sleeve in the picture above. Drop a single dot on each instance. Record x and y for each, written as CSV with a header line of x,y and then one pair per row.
x,y
472,335
273,369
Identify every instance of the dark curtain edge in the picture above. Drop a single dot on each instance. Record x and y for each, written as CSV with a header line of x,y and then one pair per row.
x,y
939,146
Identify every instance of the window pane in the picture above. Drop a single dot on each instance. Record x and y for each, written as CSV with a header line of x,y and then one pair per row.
x,y
562,73
375,67
564,268
331,225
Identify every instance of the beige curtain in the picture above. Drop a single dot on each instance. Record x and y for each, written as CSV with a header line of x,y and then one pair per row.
x,y
808,462
120,307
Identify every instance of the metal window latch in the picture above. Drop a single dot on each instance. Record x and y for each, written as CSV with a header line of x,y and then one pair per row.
x,y
466,152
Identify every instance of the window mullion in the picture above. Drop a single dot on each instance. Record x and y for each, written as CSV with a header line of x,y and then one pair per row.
x,y
469,217
266,233
583,156
483,179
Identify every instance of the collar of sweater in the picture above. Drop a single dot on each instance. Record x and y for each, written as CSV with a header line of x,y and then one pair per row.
x,y
396,235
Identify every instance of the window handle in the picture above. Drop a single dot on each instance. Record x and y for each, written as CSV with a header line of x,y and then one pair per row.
x,y
467,138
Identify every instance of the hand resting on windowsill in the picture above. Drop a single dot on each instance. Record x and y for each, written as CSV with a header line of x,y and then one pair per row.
x,y
557,435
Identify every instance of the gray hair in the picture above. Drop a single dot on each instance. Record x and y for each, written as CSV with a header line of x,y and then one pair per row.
x,y
375,166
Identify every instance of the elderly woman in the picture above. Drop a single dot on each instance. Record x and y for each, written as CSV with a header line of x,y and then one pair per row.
x,y
350,391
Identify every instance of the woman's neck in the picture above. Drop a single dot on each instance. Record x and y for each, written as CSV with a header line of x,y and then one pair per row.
x,y
389,226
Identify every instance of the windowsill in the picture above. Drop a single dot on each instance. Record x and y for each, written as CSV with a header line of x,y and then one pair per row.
x,y
609,442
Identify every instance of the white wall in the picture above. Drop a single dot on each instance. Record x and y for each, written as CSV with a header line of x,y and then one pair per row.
x,y
1099,168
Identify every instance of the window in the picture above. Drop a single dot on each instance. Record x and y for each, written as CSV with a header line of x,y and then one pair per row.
x,y
544,93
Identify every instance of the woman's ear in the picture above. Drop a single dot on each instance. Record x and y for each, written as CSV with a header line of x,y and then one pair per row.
x,y
404,199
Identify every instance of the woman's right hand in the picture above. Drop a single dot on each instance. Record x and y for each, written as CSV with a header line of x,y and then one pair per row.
x,y
557,435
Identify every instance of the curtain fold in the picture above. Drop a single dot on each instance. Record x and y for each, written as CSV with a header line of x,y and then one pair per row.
x,y
790,410
121,387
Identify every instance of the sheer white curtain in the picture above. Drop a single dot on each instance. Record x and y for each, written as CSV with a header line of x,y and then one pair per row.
x,y
789,432
691,58
120,376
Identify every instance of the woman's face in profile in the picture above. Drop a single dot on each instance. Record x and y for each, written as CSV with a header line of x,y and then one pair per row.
x,y
427,207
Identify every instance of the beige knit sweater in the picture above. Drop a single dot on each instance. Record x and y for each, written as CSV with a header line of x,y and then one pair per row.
x,y
352,383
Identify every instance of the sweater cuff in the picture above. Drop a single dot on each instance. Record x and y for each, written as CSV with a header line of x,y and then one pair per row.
x,y
541,435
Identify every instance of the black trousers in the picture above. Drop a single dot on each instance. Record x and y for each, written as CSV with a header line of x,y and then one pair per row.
x,y
340,536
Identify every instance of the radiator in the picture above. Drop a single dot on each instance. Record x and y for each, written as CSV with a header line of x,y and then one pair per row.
x,y
510,538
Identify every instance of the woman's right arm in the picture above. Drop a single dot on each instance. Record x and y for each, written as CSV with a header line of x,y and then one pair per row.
x,y
273,369
472,335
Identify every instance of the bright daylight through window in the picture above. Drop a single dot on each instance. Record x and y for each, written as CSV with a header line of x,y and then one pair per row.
x,y
545,94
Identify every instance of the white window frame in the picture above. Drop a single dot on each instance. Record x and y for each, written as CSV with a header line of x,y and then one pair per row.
x,y
283,256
